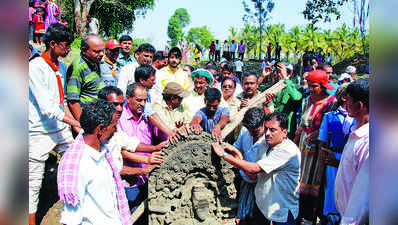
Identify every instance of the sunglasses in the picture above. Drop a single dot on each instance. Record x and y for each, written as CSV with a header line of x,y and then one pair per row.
x,y
227,86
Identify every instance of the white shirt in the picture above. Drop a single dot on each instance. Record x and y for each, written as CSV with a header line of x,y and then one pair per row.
x,y
277,189
126,76
352,180
45,111
97,193
249,150
118,141
238,65
93,25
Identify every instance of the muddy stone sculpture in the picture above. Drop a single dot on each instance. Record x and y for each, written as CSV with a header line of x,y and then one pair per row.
x,y
192,186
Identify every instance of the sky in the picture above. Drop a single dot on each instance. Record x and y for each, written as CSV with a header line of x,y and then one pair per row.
x,y
219,16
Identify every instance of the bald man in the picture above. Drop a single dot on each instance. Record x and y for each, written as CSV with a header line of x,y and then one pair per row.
x,y
84,76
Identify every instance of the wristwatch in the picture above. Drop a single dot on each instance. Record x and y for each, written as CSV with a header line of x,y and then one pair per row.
x,y
224,154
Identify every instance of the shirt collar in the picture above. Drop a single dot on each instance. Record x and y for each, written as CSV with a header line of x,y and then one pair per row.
x,y
94,154
129,114
93,66
360,131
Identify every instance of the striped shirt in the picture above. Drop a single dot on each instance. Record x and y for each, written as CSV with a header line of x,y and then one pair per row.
x,y
84,80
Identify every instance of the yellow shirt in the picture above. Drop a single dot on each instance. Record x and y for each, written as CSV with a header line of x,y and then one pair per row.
x,y
170,116
193,103
166,75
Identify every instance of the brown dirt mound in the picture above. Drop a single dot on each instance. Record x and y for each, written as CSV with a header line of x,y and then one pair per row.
x,y
360,61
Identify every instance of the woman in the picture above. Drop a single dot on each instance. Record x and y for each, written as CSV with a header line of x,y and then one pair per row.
x,y
315,106
197,52
189,69
52,13
228,87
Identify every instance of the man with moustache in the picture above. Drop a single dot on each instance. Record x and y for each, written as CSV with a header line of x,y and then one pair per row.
x,y
144,55
172,72
84,74
250,91
202,79
125,58
110,68
211,118
87,197
133,123
48,115
158,60
276,168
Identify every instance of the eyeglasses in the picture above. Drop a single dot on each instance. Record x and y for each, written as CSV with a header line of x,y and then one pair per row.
x,y
65,45
227,86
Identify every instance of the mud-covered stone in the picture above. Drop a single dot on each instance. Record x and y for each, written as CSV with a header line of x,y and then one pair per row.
x,y
192,186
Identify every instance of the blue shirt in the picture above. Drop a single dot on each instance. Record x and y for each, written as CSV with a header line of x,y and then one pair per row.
x,y
339,124
207,122
336,86
249,150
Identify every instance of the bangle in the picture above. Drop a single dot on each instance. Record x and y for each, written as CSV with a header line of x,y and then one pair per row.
x,y
224,154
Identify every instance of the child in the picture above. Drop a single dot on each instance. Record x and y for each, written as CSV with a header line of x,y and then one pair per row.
x,y
39,27
63,20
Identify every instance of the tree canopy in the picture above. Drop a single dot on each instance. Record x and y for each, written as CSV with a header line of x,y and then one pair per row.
x,y
200,35
322,10
178,21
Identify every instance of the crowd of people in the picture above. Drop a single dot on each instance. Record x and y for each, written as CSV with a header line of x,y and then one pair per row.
x,y
303,153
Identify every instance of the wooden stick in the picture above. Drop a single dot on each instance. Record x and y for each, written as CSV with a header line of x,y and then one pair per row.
x,y
139,211
258,99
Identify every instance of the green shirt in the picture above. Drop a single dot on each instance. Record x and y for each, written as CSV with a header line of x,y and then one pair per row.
x,y
283,101
84,80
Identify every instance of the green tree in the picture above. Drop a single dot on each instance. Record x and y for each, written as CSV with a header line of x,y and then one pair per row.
x,y
258,13
318,10
177,22
114,16
118,16
200,35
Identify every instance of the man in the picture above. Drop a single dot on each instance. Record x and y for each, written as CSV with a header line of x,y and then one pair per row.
x,y
239,68
125,58
84,74
225,50
212,49
144,55
202,79
227,70
213,70
287,100
269,52
329,70
329,59
124,147
278,50
212,119
345,78
276,169
87,197
250,91
109,66
217,52
233,50
92,25
171,109
352,180
47,112
248,143
172,73
133,123
241,50
351,70
158,60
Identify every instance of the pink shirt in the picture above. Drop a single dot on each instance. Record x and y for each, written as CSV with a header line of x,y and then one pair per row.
x,y
352,180
143,130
